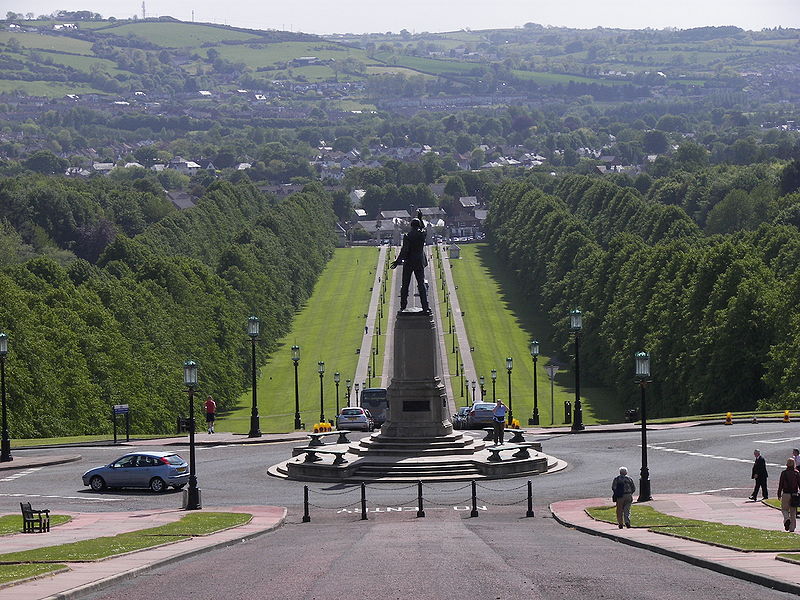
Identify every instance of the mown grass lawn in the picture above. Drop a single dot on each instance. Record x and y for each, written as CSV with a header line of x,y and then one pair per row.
x,y
13,523
500,323
641,516
16,572
329,328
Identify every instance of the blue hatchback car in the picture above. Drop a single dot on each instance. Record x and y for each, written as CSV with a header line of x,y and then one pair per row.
x,y
154,470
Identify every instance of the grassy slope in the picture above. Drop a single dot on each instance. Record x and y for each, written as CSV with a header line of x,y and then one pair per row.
x,y
501,322
329,328
48,42
180,35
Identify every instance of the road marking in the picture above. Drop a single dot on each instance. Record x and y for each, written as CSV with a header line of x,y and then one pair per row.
x,y
86,498
390,509
755,433
22,473
777,440
680,441
703,455
718,490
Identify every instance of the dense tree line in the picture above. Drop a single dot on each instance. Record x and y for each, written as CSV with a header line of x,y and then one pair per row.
x,y
717,313
84,336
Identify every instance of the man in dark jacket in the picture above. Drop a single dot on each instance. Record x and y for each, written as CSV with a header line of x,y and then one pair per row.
x,y
412,257
760,475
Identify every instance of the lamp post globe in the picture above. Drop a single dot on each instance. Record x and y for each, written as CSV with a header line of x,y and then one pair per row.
x,y
575,325
253,327
192,497
494,384
643,378
509,368
535,355
296,360
321,371
5,442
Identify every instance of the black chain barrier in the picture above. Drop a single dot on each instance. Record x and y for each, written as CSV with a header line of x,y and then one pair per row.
x,y
421,498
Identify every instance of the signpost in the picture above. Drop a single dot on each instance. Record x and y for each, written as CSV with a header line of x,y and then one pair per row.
x,y
121,409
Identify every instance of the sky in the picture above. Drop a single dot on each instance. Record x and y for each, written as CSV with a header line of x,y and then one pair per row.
x,y
365,16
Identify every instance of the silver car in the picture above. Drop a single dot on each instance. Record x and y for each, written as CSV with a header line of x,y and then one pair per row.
x,y
154,470
355,417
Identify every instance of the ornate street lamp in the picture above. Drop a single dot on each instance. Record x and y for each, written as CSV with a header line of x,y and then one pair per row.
x,y
482,381
336,381
252,331
551,373
369,375
358,398
643,378
347,385
5,444
575,325
473,391
192,501
535,355
462,380
494,385
457,361
321,370
509,367
296,361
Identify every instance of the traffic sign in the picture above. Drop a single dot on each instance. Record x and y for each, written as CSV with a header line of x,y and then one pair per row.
x,y
121,409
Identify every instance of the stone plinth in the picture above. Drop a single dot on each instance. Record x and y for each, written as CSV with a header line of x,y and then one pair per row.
x,y
417,396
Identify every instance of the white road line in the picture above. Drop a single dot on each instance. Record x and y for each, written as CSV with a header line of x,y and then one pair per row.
x,y
86,498
756,433
680,441
718,490
777,440
702,455
22,473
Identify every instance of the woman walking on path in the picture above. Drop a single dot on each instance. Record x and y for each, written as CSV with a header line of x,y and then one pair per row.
x,y
788,485
623,488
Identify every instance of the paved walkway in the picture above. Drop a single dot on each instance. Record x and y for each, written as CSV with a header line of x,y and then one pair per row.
x,y
85,577
758,567
365,356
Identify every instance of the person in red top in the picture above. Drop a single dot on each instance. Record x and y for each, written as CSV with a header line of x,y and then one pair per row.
x,y
789,484
211,413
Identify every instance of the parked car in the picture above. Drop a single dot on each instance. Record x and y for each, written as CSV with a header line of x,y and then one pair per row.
x,y
460,417
154,470
355,417
480,414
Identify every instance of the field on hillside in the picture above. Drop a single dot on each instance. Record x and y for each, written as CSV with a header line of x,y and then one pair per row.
x,y
430,65
180,35
48,42
501,323
329,328
48,89
262,55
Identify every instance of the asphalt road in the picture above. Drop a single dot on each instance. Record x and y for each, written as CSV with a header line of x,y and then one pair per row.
x,y
500,554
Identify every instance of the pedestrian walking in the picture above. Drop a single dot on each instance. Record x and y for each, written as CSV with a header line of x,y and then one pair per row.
x,y
760,475
796,457
622,489
789,494
499,421
366,329
211,413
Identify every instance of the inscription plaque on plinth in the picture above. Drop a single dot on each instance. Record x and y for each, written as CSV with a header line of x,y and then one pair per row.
x,y
416,395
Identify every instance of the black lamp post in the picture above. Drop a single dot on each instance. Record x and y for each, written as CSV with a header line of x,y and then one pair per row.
x,y
374,354
321,370
575,325
643,378
347,385
473,391
190,381
535,355
551,373
462,379
369,375
509,367
494,385
296,361
5,445
482,381
456,362
336,381
252,331
358,398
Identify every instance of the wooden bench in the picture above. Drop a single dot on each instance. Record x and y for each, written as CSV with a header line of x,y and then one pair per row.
x,y
34,521
519,434
312,455
316,438
521,451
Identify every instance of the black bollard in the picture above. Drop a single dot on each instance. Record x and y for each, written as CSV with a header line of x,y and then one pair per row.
x,y
474,512
306,516
530,499
420,510
567,411
363,501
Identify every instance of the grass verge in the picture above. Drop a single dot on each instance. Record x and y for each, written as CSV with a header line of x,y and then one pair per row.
x,y
104,547
736,537
79,439
10,573
13,523
792,558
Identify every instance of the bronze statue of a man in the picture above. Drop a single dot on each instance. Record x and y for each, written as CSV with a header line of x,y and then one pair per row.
x,y
412,257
